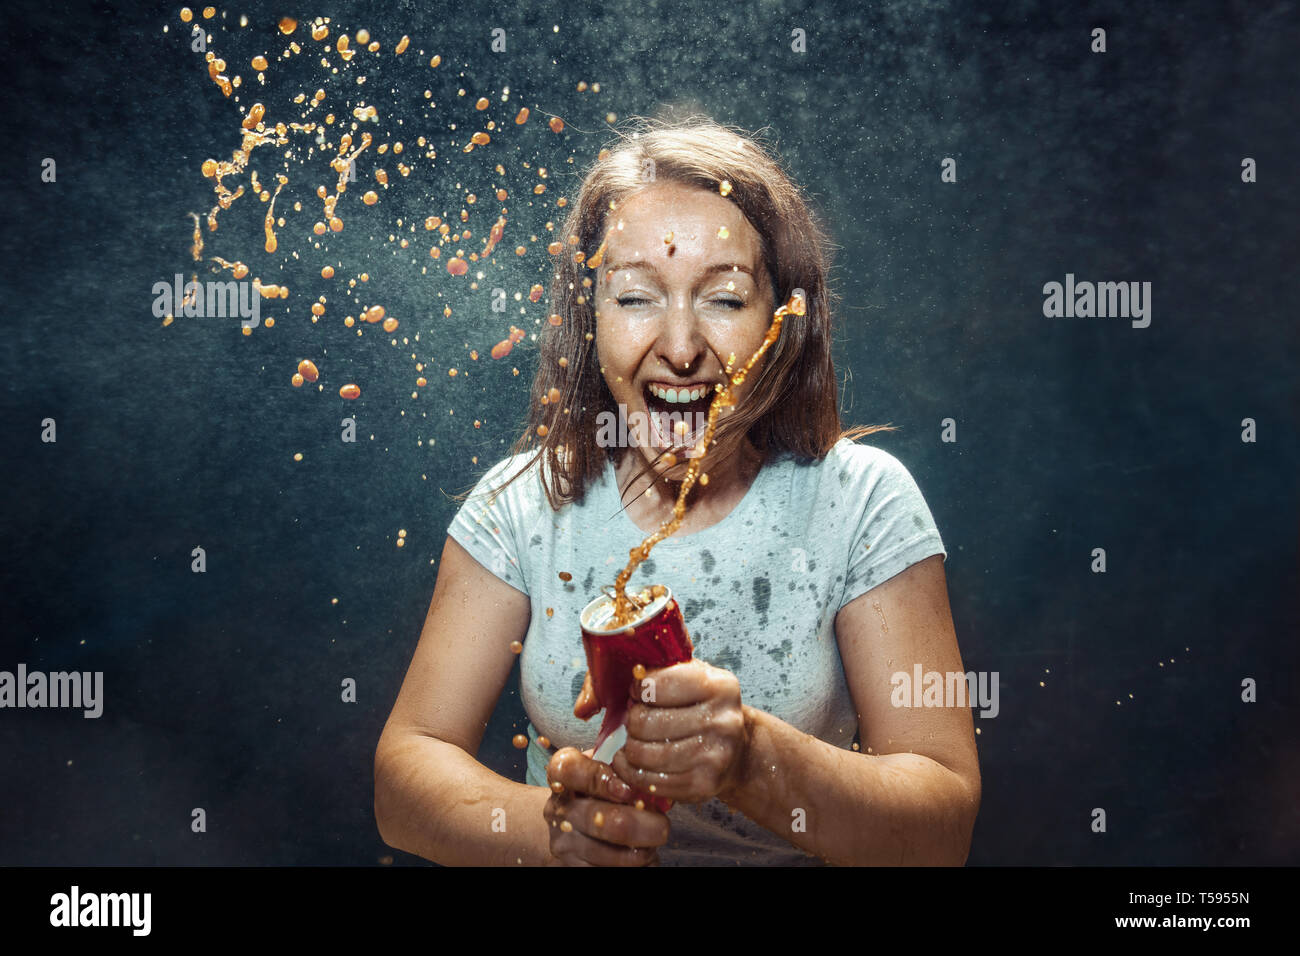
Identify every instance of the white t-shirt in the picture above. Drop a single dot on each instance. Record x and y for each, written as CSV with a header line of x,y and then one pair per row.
x,y
759,591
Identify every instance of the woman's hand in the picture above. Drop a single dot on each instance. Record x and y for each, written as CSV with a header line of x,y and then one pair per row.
x,y
687,736
592,820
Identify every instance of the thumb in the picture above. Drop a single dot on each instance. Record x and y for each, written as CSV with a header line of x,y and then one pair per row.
x,y
587,705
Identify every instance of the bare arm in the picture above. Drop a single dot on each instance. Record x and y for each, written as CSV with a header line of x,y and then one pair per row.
x,y
432,797
912,796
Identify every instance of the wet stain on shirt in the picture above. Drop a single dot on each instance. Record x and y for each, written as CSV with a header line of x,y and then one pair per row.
x,y
694,607
727,659
762,597
779,654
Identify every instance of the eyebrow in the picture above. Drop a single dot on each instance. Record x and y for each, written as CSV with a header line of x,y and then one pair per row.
x,y
711,270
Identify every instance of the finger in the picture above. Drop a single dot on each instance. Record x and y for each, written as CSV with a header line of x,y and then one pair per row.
x,y
586,706
615,823
578,773
673,756
660,723
682,685
574,848
682,786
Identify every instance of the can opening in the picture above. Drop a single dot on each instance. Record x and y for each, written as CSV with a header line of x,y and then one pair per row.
x,y
595,617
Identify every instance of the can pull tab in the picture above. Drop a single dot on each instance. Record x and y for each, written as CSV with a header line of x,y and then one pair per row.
x,y
633,597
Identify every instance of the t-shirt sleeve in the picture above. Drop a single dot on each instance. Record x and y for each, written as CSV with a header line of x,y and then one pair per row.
x,y
492,522
890,523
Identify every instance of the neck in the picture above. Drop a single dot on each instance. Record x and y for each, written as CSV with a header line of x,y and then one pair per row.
x,y
730,475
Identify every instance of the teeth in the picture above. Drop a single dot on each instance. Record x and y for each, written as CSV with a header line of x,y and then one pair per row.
x,y
676,396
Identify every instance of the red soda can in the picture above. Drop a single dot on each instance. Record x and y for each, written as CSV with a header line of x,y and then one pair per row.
x,y
656,637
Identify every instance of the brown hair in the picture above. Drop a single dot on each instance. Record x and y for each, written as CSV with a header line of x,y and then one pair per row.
x,y
793,406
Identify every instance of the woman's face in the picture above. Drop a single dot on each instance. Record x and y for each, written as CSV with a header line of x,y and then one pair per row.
x,y
682,287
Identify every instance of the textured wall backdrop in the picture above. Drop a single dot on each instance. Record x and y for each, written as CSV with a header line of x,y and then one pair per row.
x,y
1120,690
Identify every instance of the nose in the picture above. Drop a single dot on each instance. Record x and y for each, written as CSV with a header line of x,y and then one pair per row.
x,y
681,342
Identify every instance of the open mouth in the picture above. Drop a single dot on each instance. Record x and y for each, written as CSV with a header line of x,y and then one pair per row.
x,y
678,414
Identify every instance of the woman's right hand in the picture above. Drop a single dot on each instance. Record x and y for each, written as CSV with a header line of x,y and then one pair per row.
x,y
592,817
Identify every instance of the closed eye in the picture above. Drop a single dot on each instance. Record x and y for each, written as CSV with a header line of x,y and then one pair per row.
x,y
633,300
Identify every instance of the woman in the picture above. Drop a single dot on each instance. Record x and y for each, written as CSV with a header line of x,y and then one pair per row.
x,y
808,567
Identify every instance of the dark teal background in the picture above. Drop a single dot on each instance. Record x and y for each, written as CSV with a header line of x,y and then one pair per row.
x,y
223,689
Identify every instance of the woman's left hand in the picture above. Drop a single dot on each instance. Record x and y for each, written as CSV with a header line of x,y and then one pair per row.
x,y
687,735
